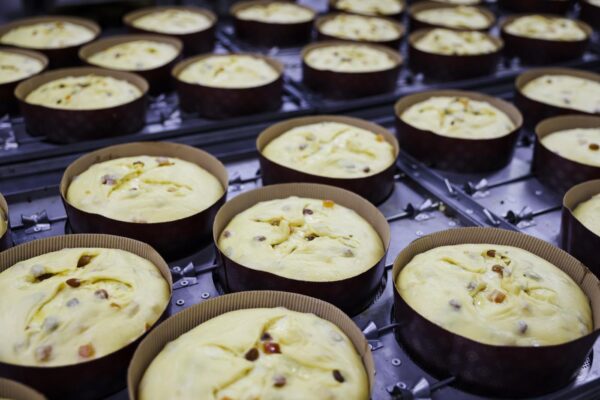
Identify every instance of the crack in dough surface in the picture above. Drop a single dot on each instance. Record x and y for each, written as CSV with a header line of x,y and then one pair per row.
x,y
50,308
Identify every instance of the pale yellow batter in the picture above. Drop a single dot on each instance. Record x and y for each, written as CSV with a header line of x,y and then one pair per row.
x,y
331,149
462,17
565,91
594,2
276,13
588,213
230,71
144,189
304,239
448,42
580,145
547,28
459,117
137,55
14,67
371,7
173,21
260,353
361,28
498,295
48,35
88,92
78,304
349,58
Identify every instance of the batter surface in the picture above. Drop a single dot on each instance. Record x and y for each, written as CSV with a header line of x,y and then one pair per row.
x,y
349,58
565,91
448,42
261,353
361,28
459,117
277,13
498,295
14,67
371,7
173,21
588,213
462,17
579,145
137,55
548,28
301,238
144,189
331,149
48,35
230,71
88,92
74,305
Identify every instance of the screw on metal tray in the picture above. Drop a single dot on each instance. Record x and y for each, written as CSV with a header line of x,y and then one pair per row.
x,y
236,183
372,332
422,390
483,185
36,222
527,214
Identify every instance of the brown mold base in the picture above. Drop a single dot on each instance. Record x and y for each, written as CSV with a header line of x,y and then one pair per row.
x,y
269,35
504,371
590,13
92,379
457,154
375,188
352,295
171,239
537,6
553,170
576,238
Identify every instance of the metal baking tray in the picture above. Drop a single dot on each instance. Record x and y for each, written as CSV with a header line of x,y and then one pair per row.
x,y
424,201
164,120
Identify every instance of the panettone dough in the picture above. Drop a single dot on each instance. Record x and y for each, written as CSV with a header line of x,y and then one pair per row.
x,y
349,58
565,91
173,21
14,67
547,28
580,145
449,42
137,55
48,35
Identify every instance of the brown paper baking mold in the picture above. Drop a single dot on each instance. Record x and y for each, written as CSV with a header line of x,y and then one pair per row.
x,y
172,239
537,6
352,294
219,103
457,154
17,391
506,371
270,34
375,188
98,377
69,126
542,51
348,85
576,238
451,66
8,102
190,318
535,111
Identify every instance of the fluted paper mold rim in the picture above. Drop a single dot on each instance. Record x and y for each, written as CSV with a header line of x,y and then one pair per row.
x,y
98,376
507,371
375,187
5,237
190,318
173,238
352,294
17,391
